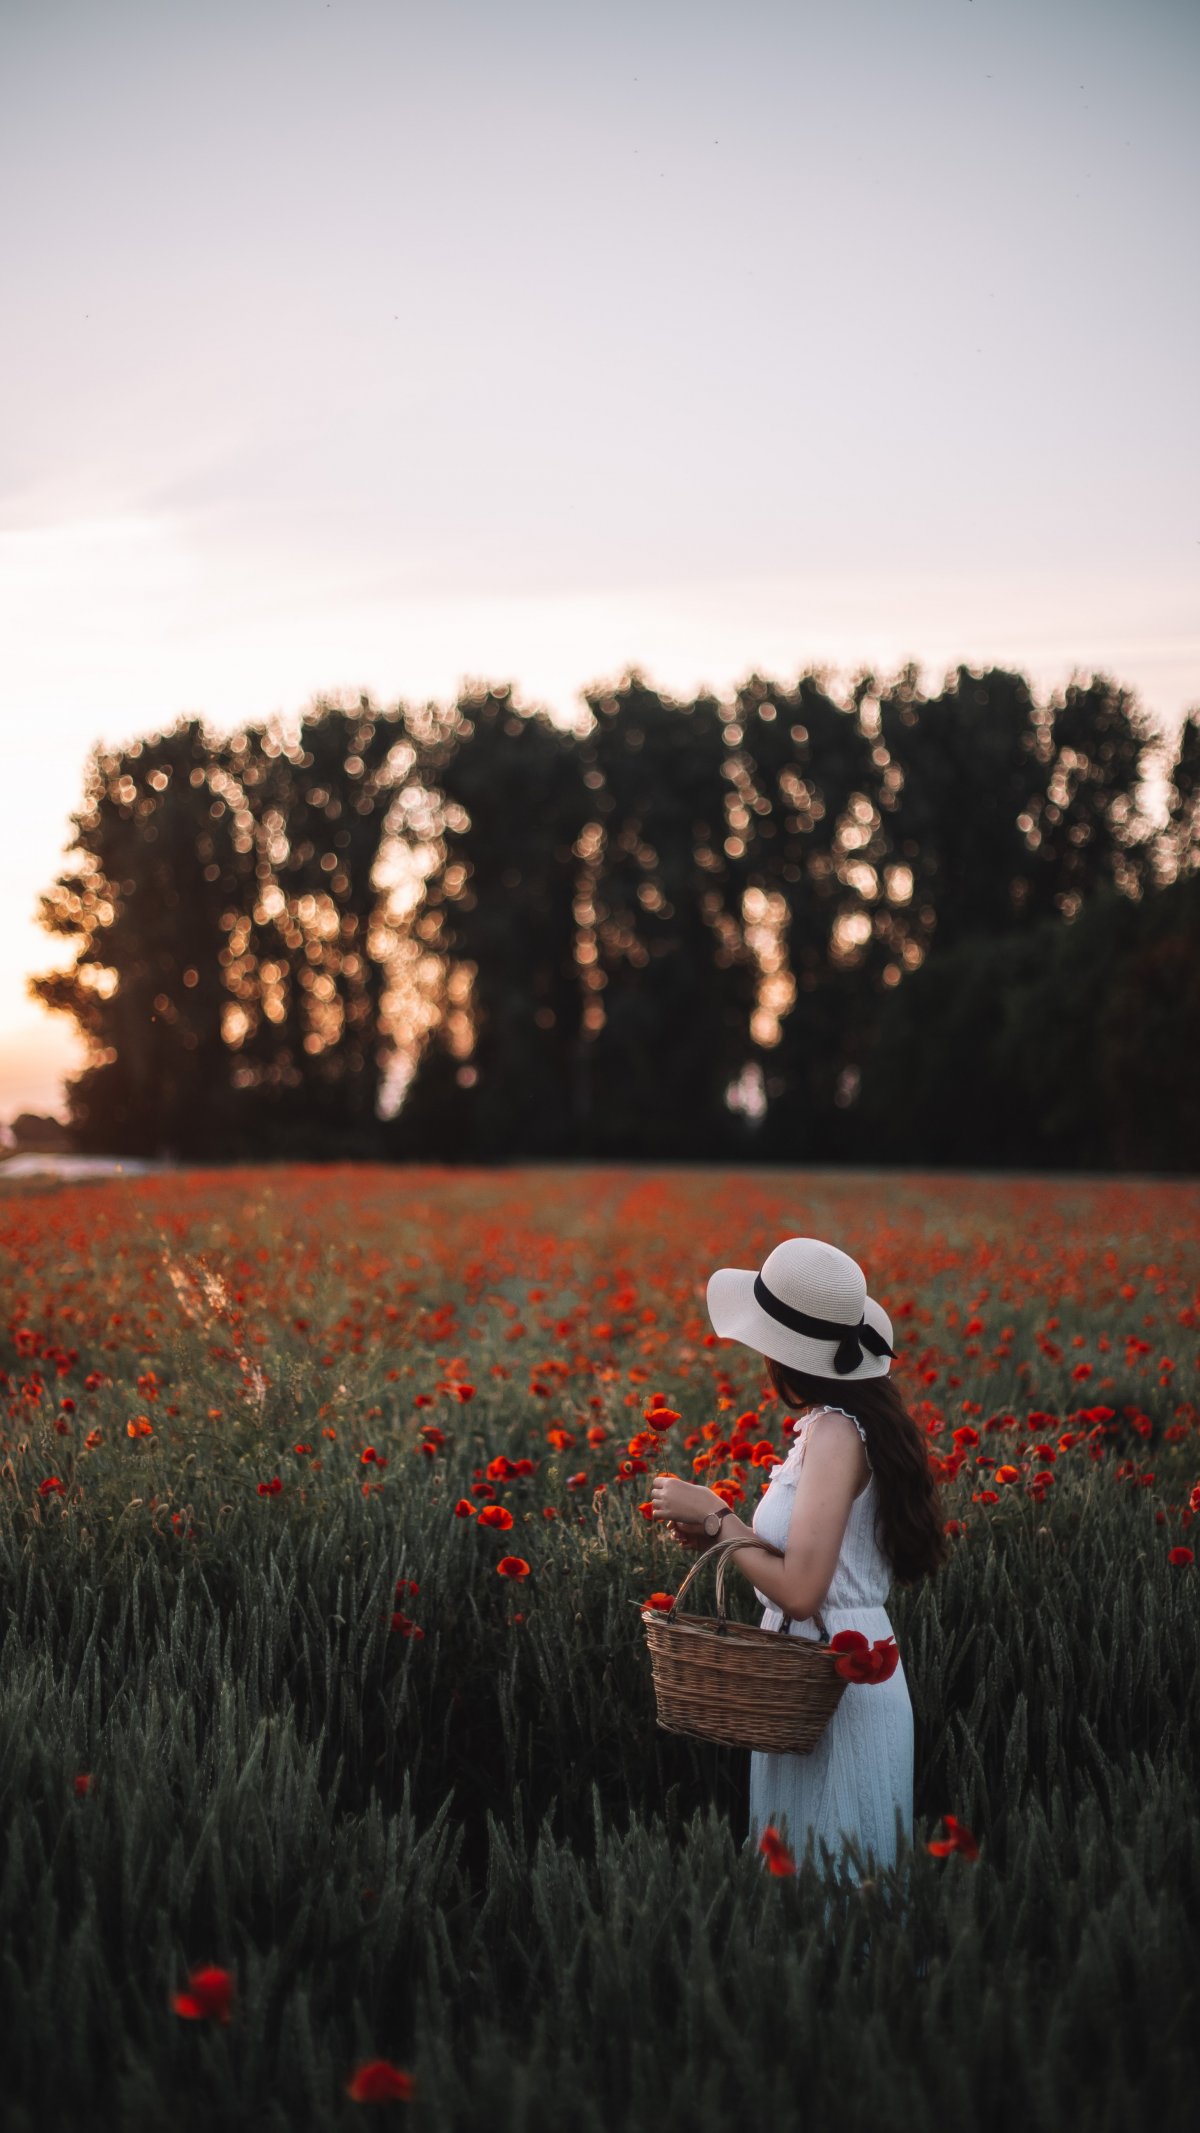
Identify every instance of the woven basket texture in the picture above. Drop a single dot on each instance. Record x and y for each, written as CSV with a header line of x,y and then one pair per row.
x,y
737,1684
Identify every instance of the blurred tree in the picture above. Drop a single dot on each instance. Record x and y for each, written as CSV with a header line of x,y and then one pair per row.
x,y
1149,1034
1089,825
34,1132
1002,815
225,978
497,1077
1181,838
936,1084
305,954
967,771
142,908
805,836
668,977
626,931
1061,1045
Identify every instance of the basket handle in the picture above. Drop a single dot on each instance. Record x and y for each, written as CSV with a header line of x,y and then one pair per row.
x,y
722,1551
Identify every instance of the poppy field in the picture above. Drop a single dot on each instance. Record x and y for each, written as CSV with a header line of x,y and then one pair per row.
x,y
331,1790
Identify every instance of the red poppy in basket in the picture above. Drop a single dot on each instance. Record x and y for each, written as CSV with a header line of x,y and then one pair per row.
x,y
861,1661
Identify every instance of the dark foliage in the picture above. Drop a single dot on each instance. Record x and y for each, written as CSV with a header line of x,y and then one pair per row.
x,y
870,912
499,910
1064,1046
669,980
220,909
158,861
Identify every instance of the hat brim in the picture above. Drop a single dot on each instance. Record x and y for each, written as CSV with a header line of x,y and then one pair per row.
x,y
736,1316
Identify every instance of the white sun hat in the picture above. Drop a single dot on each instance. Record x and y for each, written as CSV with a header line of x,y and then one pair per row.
x,y
808,1307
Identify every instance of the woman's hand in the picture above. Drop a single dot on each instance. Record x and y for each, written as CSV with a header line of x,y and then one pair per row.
x,y
682,1501
690,1536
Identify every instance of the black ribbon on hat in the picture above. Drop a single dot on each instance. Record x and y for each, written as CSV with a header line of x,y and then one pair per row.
x,y
851,1340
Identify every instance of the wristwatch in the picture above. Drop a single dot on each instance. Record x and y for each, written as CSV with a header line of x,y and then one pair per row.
x,y
712,1524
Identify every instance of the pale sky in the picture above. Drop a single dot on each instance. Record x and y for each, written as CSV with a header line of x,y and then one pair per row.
x,y
382,346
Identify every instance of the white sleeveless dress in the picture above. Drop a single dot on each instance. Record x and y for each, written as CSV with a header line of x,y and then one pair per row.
x,y
858,1780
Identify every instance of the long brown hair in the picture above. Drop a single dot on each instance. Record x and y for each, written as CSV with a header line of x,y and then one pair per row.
x,y
908,1522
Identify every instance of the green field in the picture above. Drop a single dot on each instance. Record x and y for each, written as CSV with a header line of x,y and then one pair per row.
x,y
417,1809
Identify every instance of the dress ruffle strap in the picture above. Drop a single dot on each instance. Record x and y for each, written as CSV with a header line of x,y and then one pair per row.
x,y
808,1419
850,1418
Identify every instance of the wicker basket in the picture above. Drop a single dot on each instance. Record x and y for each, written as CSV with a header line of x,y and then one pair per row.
x,y
735,1683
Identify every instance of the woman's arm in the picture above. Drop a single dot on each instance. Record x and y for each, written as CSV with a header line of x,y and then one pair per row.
x,y
764,1567
830,1473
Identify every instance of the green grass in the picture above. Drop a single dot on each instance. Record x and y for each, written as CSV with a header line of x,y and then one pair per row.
x,y
564,1924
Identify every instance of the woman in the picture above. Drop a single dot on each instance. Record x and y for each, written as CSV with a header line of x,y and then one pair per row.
x,y
853,1506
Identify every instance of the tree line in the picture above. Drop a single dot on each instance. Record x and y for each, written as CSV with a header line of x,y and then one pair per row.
x,y
888,926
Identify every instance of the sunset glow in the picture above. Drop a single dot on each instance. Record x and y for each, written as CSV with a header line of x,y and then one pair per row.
x,y
367,347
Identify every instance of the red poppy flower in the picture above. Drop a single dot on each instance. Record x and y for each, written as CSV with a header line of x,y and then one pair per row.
x,y
863,1662
663,1601
779,1859
1181,1556
660,1417
960,1839
496,1514
378,2081
512,1566
208,1996
763,1453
